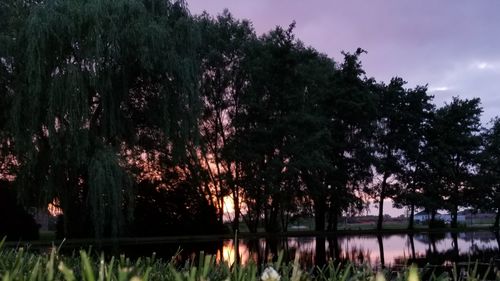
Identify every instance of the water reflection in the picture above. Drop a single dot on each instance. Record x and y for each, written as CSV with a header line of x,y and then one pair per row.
x,y
377,250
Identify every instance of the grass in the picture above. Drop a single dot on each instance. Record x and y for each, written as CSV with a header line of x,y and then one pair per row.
x,y
20,264
47,235
308,224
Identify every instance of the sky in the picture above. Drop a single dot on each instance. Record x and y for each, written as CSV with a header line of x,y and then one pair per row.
x,y
453,46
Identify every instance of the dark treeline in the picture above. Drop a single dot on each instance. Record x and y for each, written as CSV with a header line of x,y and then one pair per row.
x,y
138,118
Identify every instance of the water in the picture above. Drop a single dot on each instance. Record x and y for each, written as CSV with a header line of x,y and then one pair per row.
x,y
378,251
440,249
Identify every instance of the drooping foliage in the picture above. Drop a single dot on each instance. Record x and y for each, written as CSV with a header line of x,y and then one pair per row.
x,y
16,222
85,70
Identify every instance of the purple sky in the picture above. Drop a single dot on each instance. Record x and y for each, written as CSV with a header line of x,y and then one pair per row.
x,y
451,45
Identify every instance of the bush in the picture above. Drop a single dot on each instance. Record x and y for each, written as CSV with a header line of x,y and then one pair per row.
x,y
437,224
177,210
15,222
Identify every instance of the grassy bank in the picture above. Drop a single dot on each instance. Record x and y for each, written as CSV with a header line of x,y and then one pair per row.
x,y
19,264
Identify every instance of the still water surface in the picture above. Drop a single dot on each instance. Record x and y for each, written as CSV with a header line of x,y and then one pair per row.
x,y
377,250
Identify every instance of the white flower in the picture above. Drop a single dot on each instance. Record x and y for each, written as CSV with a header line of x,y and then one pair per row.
x,y
270,274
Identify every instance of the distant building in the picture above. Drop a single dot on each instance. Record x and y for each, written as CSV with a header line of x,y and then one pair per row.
x,y
422,217
472,215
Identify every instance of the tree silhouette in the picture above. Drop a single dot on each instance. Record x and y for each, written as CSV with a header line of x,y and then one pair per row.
x,y
486,194
82,68
454,144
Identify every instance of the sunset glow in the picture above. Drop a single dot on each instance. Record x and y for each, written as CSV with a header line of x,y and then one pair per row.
x,y
54,209
228,208
229,253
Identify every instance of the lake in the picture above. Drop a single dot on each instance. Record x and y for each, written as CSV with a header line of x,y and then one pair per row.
x,y
391,250
378,251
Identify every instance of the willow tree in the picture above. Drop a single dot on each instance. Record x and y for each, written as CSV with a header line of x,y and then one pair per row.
x,y
4,91
85,70
10,14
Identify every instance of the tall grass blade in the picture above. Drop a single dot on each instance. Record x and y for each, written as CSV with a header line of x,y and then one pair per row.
x,y
87,271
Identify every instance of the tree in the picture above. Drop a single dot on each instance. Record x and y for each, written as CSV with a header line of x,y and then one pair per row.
x,y
11,13
390,131
16,223
263,129
83,71
223,83
331,137
173,208
487,188
351,115
454,144
417,112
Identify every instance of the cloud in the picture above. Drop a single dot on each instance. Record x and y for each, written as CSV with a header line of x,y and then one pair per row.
x,y
439,89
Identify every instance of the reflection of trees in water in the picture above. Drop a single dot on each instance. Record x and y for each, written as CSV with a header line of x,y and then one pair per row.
x,y
381,250
320,251
450,256
427,238
371,249
334,249
454,237
412,245
271,251
430,239
254,250
483,236
357,255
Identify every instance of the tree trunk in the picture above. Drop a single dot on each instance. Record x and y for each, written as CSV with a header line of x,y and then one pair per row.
x,y
433,219
285,219
253,224
335,222
333,218
454,215
272,224
236,202
319,214
411,219
381,203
